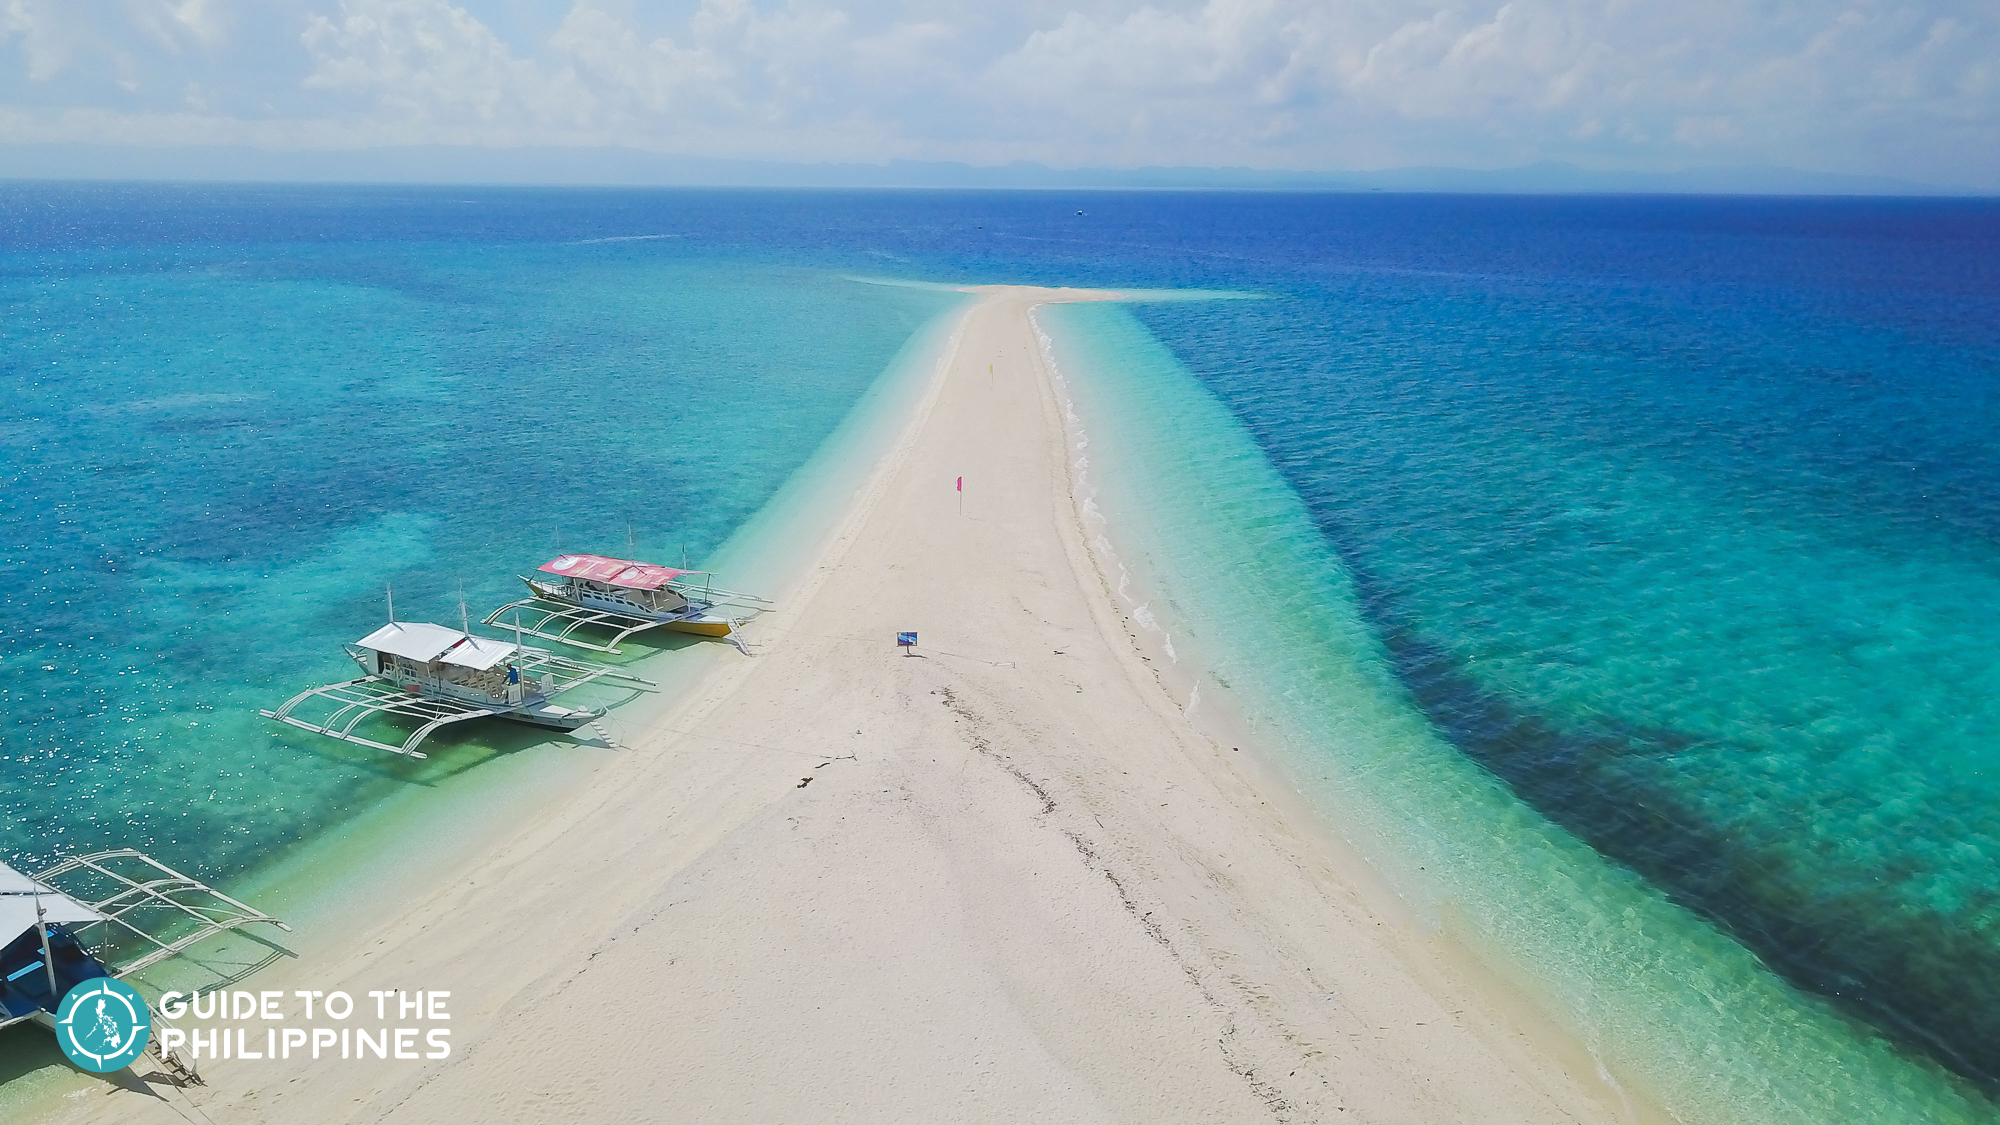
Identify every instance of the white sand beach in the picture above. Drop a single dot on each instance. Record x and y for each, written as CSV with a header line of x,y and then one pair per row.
x,y
1001,879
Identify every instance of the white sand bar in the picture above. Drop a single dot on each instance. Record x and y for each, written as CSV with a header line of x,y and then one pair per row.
x,y
1018,887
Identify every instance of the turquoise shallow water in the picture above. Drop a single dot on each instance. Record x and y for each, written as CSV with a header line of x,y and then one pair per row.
x,y
1624,568
217,458
1693,546
1230,562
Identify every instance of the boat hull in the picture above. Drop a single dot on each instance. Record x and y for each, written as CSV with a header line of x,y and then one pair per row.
x,y
702,627
551,716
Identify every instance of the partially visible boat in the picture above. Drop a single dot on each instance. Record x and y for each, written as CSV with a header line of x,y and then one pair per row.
x,y
585,593
106,914
438,675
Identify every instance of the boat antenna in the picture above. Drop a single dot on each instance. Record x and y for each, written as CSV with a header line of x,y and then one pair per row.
x,y
391,588
684,556
630,543
464,615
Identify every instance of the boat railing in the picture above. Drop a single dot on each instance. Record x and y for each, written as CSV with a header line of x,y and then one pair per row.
x,y
552,619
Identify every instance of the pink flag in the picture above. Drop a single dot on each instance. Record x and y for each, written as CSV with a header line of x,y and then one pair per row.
x,y
961,484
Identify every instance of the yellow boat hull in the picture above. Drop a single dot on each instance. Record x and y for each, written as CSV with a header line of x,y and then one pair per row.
x,y
701,628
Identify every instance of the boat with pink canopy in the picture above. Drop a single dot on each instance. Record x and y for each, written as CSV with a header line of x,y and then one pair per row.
x,y
583,594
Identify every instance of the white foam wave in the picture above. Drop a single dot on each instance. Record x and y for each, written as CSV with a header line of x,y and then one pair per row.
x,y
1086,493
623,238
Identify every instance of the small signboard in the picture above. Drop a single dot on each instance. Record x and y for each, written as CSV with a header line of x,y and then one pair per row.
x,y
906,640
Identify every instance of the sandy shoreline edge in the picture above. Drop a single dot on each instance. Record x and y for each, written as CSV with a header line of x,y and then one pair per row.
x,y
1021,887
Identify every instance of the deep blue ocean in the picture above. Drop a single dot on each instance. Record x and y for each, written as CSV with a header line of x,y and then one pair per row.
x,y
1677,518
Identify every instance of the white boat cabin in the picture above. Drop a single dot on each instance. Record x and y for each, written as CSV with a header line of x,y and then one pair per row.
x,y
432,659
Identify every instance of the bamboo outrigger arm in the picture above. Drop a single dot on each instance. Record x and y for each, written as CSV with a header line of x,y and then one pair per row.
x,y
559,621
715,597
370,697
561,674
140,885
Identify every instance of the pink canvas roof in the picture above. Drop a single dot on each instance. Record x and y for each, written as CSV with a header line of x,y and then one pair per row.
x,y
616,572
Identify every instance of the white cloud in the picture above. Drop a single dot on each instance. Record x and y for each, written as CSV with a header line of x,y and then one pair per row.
x,y
434,73
45,46
1906,87
197,21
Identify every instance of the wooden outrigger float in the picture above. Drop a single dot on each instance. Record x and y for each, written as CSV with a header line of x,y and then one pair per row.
x,y
625,597
435,675
106,914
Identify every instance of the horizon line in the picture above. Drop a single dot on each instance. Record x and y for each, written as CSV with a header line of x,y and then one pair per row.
x,y
618,167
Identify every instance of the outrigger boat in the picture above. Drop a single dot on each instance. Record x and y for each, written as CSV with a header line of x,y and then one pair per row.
x,y
417,670
106,914
625,597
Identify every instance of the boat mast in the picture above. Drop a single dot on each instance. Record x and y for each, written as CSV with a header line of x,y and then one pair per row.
x,y
392,602
48,958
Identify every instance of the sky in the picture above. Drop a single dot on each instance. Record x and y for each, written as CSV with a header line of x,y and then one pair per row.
x,y
1900,88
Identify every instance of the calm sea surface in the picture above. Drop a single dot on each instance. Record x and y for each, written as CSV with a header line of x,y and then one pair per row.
x,y
1677,518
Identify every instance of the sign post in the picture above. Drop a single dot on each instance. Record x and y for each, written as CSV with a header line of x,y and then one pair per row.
x,y
906,642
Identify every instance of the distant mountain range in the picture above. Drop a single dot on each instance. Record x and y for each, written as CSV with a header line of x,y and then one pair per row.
x,y
632,167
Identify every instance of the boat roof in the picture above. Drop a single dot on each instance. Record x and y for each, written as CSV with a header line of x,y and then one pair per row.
x,y
17,905
425,642
615,572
